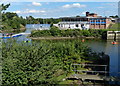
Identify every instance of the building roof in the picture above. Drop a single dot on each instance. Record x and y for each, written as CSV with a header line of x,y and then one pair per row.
x,y
74,17
83,17
92,14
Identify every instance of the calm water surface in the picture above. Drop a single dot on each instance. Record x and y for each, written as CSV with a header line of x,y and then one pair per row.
x,y
111,50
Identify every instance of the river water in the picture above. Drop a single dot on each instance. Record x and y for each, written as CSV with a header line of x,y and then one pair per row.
x,y
95,45
111,50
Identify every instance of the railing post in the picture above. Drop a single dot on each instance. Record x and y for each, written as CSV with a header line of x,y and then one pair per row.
x,y
105,71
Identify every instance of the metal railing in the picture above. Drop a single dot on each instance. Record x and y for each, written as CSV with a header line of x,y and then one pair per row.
x,y
90,71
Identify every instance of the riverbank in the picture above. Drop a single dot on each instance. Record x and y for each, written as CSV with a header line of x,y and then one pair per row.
x,y
69,33
58,38
13,30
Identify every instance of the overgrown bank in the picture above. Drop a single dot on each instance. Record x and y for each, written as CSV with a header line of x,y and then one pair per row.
x,y
46,62
55,32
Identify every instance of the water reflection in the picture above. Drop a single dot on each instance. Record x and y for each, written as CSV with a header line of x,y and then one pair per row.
x,y
111,50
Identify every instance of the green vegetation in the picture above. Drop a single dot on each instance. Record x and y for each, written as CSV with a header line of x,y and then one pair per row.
x,y
116,26
11,21
44,62
55,32
32,20
116,16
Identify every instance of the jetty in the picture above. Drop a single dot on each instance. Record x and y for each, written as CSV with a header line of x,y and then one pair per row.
x,y
92,75
86,77
113,35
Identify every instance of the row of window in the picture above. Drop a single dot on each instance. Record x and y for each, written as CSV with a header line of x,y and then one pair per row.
x,y
98,24
76,25
97,19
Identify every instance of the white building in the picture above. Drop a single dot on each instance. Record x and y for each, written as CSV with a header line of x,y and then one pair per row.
x,y
74,23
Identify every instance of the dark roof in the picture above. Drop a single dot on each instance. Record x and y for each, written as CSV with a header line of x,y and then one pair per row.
x,y
74,17
82,17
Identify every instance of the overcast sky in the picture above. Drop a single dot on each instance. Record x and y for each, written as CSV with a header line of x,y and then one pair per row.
x,y
62,9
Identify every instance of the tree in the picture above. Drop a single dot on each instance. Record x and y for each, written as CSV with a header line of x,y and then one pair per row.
x,y
77,16
10,15
4,7
116,16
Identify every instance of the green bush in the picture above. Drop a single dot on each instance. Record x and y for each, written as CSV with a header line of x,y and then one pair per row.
x,y
40,63
55,32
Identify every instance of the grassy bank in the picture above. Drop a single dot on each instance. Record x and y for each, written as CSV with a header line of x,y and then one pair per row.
x,y
116,26
13,31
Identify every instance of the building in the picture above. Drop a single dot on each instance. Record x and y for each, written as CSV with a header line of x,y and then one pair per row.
x,y
73,23
117,20
91,14
90,21
99,23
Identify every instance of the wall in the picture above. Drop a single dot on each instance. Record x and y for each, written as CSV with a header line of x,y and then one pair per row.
x,y
111,35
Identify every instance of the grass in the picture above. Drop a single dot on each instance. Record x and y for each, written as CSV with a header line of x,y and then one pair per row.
x,y
64,76
116,26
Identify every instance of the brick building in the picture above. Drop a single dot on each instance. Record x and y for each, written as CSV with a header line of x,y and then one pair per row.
x,y
90,21
98,22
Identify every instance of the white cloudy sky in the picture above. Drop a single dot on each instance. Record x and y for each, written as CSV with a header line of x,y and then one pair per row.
x,y
61,9
59,0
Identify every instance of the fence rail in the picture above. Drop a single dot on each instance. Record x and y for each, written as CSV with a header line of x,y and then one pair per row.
x,y
89,64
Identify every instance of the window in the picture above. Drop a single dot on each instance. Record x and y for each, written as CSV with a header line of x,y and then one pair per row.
x,y
97,23
61,25
82,25
98,20
77,25
103,20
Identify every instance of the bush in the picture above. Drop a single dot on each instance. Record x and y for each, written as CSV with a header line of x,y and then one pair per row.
x,y
40,63
54,31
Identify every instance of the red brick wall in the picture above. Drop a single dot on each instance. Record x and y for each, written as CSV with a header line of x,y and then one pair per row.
x,y
102,26
92,26
108,21
92,15
98,26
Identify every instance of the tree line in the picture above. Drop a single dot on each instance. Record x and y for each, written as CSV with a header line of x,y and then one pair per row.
x,y
11,20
